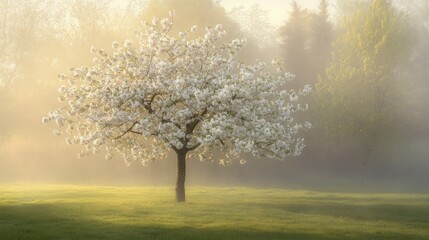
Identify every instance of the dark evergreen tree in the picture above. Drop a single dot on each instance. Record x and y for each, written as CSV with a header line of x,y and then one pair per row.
x,y
294,43
320,40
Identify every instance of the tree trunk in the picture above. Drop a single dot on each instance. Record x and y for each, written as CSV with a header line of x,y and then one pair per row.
x,y
181,174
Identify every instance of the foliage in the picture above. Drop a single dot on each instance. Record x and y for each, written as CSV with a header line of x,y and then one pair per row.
x,y
181,94
358,94
346,8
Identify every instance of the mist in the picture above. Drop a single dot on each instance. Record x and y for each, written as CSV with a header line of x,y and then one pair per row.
x,y
43,38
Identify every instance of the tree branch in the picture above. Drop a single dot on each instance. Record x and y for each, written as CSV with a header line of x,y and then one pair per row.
x,y
148,106
194,147
130,129
220,141
139,133
163,120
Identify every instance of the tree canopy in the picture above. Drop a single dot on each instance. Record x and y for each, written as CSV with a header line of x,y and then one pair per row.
x,y
358,94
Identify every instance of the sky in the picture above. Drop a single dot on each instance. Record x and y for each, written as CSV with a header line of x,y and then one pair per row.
x,y
278,9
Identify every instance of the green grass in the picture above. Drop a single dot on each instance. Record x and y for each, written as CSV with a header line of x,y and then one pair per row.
x,y
83,212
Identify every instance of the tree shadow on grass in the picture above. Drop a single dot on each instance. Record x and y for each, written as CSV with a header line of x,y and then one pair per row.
x,y
65,221
415,215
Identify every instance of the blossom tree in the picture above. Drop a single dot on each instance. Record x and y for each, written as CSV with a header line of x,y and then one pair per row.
x,y
186,94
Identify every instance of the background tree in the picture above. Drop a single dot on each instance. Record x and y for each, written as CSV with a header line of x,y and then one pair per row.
x,y
254,23
359,93
346,8
20,30
294,42
305,41
320,41
18,21
182,94
414,119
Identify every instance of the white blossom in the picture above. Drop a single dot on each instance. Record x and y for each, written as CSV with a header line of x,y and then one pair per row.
x,y
45,120
57,133
172,13
115,45
184,94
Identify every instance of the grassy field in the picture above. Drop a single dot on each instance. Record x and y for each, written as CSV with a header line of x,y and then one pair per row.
x,y
83,212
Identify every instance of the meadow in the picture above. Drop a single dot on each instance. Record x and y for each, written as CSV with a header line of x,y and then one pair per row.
x,y
94,212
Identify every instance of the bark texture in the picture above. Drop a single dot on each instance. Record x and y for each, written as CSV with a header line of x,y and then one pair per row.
x,y
181,174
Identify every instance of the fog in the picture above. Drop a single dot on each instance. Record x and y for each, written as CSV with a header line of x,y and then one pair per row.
x,y
40,39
